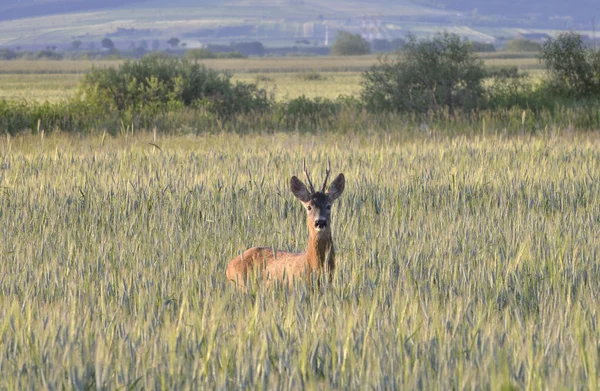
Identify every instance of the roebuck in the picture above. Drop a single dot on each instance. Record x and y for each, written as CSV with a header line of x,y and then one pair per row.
x,y
319,255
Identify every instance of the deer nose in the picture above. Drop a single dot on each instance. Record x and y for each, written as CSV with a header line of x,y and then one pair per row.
x,y
321,223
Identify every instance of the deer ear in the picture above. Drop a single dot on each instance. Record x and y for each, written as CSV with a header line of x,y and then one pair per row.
x,y
337,187
299,189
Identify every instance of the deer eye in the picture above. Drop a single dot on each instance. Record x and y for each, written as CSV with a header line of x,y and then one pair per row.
x,y
308,207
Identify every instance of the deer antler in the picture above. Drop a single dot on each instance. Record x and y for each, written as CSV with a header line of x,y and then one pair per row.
x,y
326,175
312,189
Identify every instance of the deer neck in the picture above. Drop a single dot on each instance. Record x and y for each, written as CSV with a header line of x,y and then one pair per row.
x,y
320,249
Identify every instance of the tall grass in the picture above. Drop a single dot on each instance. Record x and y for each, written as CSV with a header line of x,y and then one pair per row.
x,y
464,263
303,114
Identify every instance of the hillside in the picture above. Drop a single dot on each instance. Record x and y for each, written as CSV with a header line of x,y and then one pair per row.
x,y
30,23
580,10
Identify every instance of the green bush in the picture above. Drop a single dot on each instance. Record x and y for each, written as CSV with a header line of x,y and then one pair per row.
x,y
75,116
156,84
199,54
348,44
7,54
507,87
483,46
437,74
48,55
384,45
311,76
304,111
522,45
573,69
157,54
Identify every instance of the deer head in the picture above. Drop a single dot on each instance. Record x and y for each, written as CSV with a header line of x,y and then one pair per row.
x,y
318,203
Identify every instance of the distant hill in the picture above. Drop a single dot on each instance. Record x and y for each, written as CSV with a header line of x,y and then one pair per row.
x,y
580,10
130,23
16,9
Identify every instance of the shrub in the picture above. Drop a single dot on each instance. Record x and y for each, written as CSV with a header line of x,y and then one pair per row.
x,y
309,112
199,54
384,45
174,42
108,44
435,74
157,54
155,84
7,54
233,54
573,69
348,44
48,55
204,53
506,88
483,46
69,116
310,76
522,45
262,78
254,48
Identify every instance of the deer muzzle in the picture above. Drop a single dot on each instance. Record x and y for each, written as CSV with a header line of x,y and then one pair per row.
x,y
321,224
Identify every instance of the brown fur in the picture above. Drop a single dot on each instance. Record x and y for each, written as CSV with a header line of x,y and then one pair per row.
x,y
284,266
289,267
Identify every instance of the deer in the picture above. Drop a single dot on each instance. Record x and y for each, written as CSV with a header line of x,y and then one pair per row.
x,y
319,257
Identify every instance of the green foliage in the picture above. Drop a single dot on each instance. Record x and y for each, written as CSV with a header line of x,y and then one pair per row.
x,y
48,55
232,54
151,94
507,87
522,45
157,55
112,56
199,54
482,47
252,48
174,42
306,112
16,116
574,69
155,84
348,44
204,53
384,45
76,44
262,78
311,76
435,74
107,43
7,54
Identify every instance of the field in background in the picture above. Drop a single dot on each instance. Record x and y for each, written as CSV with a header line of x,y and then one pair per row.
x,y
285,77
463,263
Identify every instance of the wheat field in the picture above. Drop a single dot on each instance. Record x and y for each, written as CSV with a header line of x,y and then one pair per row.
x,y
463,263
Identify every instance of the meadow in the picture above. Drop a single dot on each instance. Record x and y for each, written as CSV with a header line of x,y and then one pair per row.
x,y
467,259
463,263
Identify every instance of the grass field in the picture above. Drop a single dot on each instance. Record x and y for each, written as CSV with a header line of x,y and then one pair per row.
x,y
462,263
